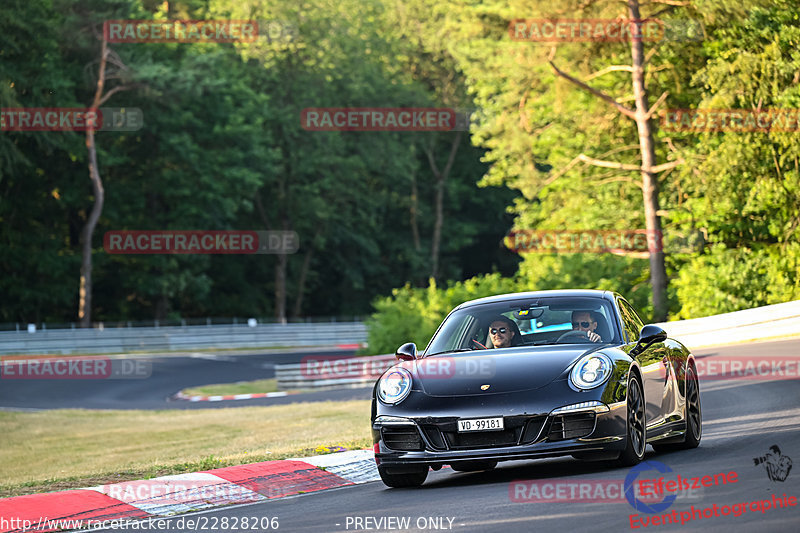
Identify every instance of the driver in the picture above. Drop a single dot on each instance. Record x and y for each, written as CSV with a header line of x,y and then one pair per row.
x,y
583,321
502,331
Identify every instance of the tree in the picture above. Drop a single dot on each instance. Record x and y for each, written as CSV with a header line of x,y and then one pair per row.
x,y
642,115
742,188
101,96
37,230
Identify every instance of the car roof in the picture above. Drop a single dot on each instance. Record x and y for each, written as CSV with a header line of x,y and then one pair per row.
x,y
585,293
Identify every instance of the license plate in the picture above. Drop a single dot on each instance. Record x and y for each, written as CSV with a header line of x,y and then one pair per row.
x,y
480,424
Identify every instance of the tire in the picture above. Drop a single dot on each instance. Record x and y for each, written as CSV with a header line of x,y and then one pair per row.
x,y
405,479
636,433
693,415
474,466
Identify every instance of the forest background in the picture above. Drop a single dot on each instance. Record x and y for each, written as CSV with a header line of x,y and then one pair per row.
x,y
401,226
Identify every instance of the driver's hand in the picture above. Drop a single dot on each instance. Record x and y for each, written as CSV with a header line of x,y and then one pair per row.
x,y
594,337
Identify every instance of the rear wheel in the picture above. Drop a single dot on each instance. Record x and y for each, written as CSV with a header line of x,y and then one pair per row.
x,y
636,435
473,466
413,478
693,415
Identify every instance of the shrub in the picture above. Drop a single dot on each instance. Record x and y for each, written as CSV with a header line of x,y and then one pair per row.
x,y
731,279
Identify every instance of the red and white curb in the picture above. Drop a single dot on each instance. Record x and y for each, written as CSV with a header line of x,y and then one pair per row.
x,y
169,495
357,466
182,396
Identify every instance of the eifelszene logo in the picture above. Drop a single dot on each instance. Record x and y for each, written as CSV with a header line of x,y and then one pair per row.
x,y
638,504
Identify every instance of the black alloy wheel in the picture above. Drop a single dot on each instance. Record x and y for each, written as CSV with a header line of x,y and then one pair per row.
x,y
636,434
693,415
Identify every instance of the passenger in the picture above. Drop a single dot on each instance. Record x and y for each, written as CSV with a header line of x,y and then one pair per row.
x,y
583,321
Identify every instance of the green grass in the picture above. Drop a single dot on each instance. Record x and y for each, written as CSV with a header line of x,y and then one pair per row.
x,y
60,449
241,387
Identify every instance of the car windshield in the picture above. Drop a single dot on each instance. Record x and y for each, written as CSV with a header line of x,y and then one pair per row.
x,y
512,323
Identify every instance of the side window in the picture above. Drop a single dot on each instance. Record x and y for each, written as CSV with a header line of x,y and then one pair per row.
x,y
461,337
451,337
629,323
635,316
604,323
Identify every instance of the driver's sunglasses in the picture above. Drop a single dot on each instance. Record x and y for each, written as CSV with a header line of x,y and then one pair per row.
x,y
495,330
581,324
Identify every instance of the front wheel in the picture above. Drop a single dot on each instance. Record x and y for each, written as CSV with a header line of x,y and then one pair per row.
x,y
636,434
414,478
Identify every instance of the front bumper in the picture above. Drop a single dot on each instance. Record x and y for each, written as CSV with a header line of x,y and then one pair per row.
x,y
435,440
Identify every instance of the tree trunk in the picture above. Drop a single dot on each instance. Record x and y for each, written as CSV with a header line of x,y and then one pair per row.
x,y
282,259
441,178
85,295
658,272
280,278
437,226
413,213
301,283
280,288
162,307
85,291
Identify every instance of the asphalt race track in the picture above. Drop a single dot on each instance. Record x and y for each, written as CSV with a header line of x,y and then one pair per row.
x,y
170,374
742,420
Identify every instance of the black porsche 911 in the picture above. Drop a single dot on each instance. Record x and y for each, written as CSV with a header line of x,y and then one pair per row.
x,y
531,375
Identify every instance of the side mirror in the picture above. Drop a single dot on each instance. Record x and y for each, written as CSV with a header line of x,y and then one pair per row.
x,y
650,334
407,352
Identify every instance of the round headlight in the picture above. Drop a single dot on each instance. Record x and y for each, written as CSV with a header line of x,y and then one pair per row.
x,y
394,386
590,371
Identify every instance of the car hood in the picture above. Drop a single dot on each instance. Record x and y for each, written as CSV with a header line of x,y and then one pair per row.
x,y
504,371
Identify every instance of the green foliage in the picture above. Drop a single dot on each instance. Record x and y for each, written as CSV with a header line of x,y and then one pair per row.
x,y
741,190
412,314
222,148
728,280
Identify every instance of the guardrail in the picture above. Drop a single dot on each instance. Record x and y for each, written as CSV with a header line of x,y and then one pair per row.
x,y
760,323
316,372
122,340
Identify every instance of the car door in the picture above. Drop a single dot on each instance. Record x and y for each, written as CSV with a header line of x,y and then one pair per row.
x,y
654,364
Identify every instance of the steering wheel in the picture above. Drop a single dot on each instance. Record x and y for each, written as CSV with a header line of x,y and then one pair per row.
x,y
574,333
479,345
